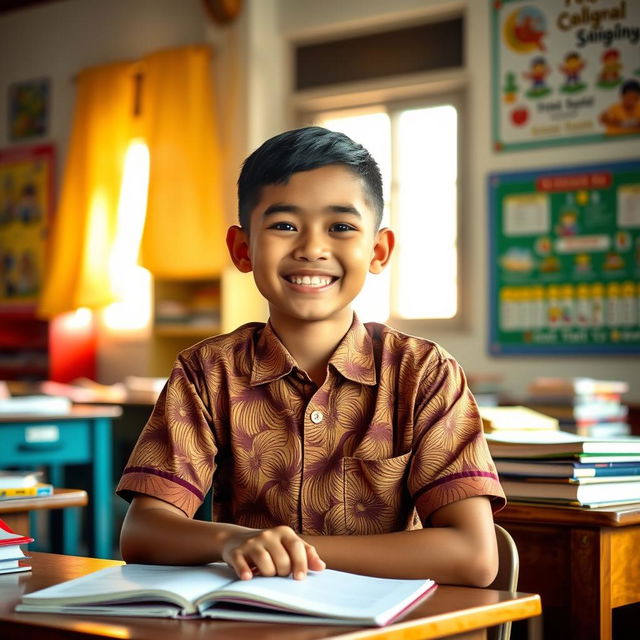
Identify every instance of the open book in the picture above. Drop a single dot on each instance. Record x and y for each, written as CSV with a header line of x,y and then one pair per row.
x,y
213,591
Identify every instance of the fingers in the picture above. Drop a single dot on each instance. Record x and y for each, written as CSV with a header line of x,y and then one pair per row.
x,y
240,565
297,552
272,552
314,562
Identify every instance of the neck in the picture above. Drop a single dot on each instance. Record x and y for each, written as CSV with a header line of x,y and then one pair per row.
x,y
312,343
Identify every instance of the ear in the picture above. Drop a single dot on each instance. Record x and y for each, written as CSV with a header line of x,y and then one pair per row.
x,y
238,245
382,250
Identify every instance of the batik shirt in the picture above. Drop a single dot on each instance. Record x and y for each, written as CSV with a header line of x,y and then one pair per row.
x,y
392,435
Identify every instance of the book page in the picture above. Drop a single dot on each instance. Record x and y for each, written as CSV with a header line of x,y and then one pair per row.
x,y
331,593
124,582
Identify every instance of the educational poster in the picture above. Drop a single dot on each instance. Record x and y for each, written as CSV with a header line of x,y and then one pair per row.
x,y
26,189
565,260
564,71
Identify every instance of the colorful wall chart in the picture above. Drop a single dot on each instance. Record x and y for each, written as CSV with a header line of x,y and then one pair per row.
x,y
564,71
26,202
565,260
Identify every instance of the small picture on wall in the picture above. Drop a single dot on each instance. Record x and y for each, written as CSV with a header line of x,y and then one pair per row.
x,y
29,109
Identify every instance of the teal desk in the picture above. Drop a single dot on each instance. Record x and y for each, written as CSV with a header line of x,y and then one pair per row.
x,y
82,436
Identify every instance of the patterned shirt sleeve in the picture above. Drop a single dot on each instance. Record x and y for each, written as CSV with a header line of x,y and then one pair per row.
x,y
451,460
173,459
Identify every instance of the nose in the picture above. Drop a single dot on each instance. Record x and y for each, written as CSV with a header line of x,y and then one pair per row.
x,y
312,245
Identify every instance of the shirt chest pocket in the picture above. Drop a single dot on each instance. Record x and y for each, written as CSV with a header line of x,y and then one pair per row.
x,y
374,495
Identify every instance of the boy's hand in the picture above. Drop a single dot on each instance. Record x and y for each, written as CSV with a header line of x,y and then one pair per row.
x,y
270,552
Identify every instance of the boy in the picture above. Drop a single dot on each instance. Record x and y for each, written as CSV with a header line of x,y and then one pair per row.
x,y
329,442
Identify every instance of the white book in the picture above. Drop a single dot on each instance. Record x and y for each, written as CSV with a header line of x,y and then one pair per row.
x,y
18,569
213,591
42,405
14,479
11,552
578,493
556,444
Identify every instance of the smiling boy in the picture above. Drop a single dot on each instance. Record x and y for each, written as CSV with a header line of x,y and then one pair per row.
x,y
328,442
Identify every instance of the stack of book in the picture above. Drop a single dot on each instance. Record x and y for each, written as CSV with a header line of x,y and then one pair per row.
x,y
516,418
563,468
12,558
23,484
583,406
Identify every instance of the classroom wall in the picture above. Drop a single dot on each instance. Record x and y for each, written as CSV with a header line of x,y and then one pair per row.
x,y
307,18
252,61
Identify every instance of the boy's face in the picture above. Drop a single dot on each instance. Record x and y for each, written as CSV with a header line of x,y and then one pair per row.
x,y
311,243
630,99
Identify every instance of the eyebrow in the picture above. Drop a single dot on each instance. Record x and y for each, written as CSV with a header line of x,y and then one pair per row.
x,y
282,207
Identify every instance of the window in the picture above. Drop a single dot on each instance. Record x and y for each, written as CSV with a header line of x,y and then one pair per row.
x,y
416,145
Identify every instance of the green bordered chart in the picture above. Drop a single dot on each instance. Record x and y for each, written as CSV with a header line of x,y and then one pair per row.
x,y
565,260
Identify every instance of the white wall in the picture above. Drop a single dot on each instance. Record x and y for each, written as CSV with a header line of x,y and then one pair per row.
x,y
252,61
308,18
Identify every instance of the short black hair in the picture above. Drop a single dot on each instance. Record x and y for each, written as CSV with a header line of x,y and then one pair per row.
x,y
630,85
277,159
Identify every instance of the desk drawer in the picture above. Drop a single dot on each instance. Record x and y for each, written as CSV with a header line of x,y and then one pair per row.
x,y
45,442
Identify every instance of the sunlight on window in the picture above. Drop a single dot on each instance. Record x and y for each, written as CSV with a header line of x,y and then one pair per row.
x,y
417,150
425,279
130,282
373,131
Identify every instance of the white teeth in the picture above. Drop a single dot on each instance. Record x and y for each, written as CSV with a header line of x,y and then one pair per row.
x,y
310,281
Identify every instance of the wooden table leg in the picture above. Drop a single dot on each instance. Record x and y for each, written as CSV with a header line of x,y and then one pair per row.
x,y
590,585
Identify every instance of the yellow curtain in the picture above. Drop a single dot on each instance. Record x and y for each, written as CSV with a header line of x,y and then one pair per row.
x,y
167,98
185,226
86,216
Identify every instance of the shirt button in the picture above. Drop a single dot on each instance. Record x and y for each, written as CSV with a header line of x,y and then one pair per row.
x,y
316,417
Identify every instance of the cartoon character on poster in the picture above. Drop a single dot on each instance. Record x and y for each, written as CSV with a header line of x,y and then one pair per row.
x,y
571,68
524,30
611,67
538,72
623,117
568,223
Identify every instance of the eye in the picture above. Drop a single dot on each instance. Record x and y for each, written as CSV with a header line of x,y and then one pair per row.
x,y
282,226
341,227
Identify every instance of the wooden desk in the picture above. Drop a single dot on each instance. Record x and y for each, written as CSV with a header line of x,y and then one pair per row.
x,y
82,436
449,611
582,562
16,512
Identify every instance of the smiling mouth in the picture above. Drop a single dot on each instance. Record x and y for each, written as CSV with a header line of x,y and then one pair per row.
x,y
311,281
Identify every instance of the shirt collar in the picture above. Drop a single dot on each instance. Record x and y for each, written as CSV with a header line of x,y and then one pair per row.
x,y
353,357
272,360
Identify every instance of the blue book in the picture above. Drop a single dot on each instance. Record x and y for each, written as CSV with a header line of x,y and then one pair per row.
x,y
566,468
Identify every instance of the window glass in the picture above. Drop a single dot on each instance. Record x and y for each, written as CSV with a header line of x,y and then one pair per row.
x,y
417,150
